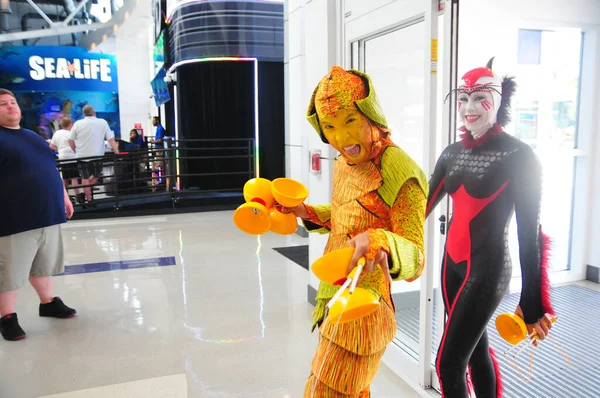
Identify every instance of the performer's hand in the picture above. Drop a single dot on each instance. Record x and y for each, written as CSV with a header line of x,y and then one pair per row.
x,y
381,259
299,211
360,243
542,327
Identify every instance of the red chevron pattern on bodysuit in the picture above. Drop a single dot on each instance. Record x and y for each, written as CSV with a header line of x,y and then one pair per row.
x,y
466,208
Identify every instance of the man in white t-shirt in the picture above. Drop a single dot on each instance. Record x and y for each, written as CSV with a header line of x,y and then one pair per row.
x,y
87,140
60,143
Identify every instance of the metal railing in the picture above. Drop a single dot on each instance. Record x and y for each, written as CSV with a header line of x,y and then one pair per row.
x,y
183,169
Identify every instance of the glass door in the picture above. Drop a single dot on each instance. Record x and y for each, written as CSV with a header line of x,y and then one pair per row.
x,y
547,64
444,136
394,60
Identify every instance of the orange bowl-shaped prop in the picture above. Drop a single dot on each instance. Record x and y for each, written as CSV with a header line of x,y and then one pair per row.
x,y
259,215
333,266
350,307
253,218
259,190
288,192
283,224
512,328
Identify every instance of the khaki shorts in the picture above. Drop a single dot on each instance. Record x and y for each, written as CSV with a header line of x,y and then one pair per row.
x,y
159,158
38,252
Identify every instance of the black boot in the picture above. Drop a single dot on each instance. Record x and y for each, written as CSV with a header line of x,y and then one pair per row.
x,y
57,309
10,328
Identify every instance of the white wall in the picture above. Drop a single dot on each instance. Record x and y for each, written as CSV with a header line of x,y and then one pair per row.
x,y
364,18
131,47
310,52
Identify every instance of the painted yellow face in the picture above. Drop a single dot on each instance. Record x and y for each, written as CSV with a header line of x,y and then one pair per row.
x,y
349,131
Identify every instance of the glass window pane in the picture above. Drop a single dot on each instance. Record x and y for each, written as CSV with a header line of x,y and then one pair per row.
x,y
530,46
395,63
545,117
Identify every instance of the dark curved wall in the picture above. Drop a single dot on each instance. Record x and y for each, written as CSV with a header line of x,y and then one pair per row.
x,y
216,99
227,28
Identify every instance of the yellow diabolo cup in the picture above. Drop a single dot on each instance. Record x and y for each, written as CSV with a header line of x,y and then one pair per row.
x,y
253,216
259,215
283,224
288,192
350,307
331,268
512,328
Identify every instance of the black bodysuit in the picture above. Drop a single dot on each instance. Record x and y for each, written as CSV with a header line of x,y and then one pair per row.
x,y
488,179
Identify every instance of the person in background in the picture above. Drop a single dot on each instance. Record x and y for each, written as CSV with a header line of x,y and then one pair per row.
x,y
158,139
43,130
135,139
33,204
159,167
60,143
141,160
87,140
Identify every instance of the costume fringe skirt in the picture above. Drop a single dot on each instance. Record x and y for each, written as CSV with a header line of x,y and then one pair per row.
x,y
348,355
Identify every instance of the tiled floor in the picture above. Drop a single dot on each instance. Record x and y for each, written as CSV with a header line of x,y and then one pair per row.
x,y
220,322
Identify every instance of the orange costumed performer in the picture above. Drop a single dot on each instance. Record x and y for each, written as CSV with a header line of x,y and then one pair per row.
x,y
378,207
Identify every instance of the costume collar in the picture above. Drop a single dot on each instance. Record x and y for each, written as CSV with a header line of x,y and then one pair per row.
x,y
468,142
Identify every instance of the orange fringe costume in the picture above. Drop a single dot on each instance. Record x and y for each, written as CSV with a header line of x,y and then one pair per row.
x,y
385,195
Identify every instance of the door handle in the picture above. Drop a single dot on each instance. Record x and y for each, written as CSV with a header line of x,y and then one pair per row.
x,y
443,224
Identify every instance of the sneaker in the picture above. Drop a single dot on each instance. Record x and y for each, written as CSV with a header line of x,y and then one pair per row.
x,y
81,198
10,328
57,309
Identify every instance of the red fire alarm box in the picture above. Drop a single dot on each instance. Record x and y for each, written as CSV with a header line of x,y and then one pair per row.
x,y
315,161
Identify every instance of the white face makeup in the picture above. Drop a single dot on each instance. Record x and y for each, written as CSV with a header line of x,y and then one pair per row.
x,y
477,112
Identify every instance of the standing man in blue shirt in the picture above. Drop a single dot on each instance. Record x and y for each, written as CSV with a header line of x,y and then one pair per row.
x,y
158,139
33,204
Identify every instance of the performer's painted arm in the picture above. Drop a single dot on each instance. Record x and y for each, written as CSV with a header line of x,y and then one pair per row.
x,y
319,219
535,292
437,190
404,243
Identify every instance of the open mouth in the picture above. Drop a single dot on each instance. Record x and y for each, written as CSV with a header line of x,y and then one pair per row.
x,y
472,118
352,150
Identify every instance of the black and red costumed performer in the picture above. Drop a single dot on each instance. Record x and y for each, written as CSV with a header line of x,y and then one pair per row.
x,y
489,175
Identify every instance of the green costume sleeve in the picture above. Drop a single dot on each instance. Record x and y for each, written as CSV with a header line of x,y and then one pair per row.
x,y
405,190
405,257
